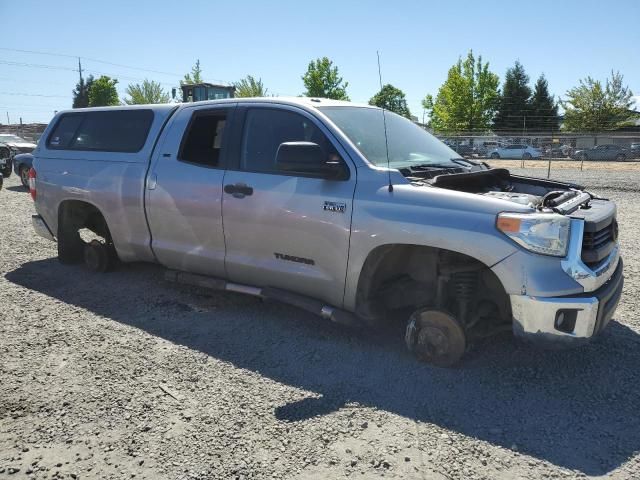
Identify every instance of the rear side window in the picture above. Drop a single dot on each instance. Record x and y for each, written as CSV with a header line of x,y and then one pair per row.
x,y
106,131
203,141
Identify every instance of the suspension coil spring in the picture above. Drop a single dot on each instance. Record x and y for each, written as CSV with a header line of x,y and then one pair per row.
x,y
465,284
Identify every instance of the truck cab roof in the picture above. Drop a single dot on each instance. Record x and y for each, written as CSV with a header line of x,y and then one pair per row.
x,y
304,102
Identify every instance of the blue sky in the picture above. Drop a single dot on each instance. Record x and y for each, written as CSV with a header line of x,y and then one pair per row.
x,y
418,42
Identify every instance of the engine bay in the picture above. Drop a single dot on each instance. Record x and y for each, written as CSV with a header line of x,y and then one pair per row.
x,y
499,183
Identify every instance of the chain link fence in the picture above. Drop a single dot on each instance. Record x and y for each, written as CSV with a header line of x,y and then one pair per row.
x,y
600,146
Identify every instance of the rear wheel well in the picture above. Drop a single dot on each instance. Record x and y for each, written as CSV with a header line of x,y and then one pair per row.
x,y
84,215
403,278
78,223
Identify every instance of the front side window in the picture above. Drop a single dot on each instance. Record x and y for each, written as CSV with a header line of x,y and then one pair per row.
x,y
107,131
203,141
265,129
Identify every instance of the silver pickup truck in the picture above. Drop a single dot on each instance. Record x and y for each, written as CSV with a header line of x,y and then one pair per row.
x,y
355,214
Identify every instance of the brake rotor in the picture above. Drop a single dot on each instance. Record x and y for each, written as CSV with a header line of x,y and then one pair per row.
x,y
436,337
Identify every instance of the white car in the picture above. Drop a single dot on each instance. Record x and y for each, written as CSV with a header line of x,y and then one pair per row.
x,y
515,151
19,144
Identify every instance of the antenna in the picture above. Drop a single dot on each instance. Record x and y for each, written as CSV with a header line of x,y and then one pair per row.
x,y
384,121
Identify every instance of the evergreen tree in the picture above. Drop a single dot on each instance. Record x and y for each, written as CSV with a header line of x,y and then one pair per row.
x,y
514,101
543,108
194,77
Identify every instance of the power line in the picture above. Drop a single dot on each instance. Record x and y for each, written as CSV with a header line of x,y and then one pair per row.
x,y
37,65
91,60
160,72
35,95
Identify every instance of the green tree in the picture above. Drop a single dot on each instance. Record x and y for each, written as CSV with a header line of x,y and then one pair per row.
x,y
195,76
103,92
543,109
513,105
467,99
322,80
81,92
392,99
592,107
147,92
250,87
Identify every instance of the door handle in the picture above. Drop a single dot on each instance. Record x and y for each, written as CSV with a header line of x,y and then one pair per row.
x,y
238,190
152,181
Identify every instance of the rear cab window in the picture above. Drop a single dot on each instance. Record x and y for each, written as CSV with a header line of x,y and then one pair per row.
x,y
104,131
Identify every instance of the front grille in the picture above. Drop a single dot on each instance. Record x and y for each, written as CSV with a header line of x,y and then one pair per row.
x,y
598,244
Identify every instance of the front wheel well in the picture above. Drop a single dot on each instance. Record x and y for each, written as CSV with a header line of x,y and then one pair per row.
x,y
403,278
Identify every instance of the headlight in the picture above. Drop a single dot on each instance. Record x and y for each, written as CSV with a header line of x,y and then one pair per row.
x,y
545,233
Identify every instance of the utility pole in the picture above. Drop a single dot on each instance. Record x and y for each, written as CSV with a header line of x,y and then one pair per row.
x,y
80,70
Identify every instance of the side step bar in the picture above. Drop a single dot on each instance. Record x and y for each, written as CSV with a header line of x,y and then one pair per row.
x,y
311,305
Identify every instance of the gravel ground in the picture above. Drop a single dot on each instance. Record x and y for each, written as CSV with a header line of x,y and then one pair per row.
x,y
122,375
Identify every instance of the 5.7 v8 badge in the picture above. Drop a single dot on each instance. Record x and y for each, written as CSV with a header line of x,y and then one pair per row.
x,y
337,207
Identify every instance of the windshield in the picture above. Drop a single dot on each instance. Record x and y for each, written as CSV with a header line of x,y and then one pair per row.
x,y
409,145
11,138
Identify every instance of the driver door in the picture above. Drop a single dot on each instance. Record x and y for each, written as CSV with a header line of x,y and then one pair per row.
x,y
283,229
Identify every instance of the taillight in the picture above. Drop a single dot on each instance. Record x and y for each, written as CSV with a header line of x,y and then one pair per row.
x,y
32,182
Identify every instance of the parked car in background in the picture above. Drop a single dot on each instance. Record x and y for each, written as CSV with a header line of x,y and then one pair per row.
x,y
11,145
518,151
464,150
602,152
635,150
21,165
2,167
481,149
16,143
6,156
557,151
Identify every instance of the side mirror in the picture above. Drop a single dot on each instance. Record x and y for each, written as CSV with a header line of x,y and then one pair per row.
x,y
307,158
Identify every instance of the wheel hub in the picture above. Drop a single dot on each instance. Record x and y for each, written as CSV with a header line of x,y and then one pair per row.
x,y
436,337
433,340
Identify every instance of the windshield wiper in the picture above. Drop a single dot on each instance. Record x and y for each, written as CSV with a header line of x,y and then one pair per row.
x,y
434,165
470,163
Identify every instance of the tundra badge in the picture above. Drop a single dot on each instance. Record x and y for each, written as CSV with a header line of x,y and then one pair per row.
x,y
338,207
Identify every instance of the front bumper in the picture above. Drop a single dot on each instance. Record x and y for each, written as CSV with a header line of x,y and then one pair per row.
x,y
570,320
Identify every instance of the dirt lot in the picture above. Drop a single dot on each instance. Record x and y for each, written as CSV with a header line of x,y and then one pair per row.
x,y
560,164
122,375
